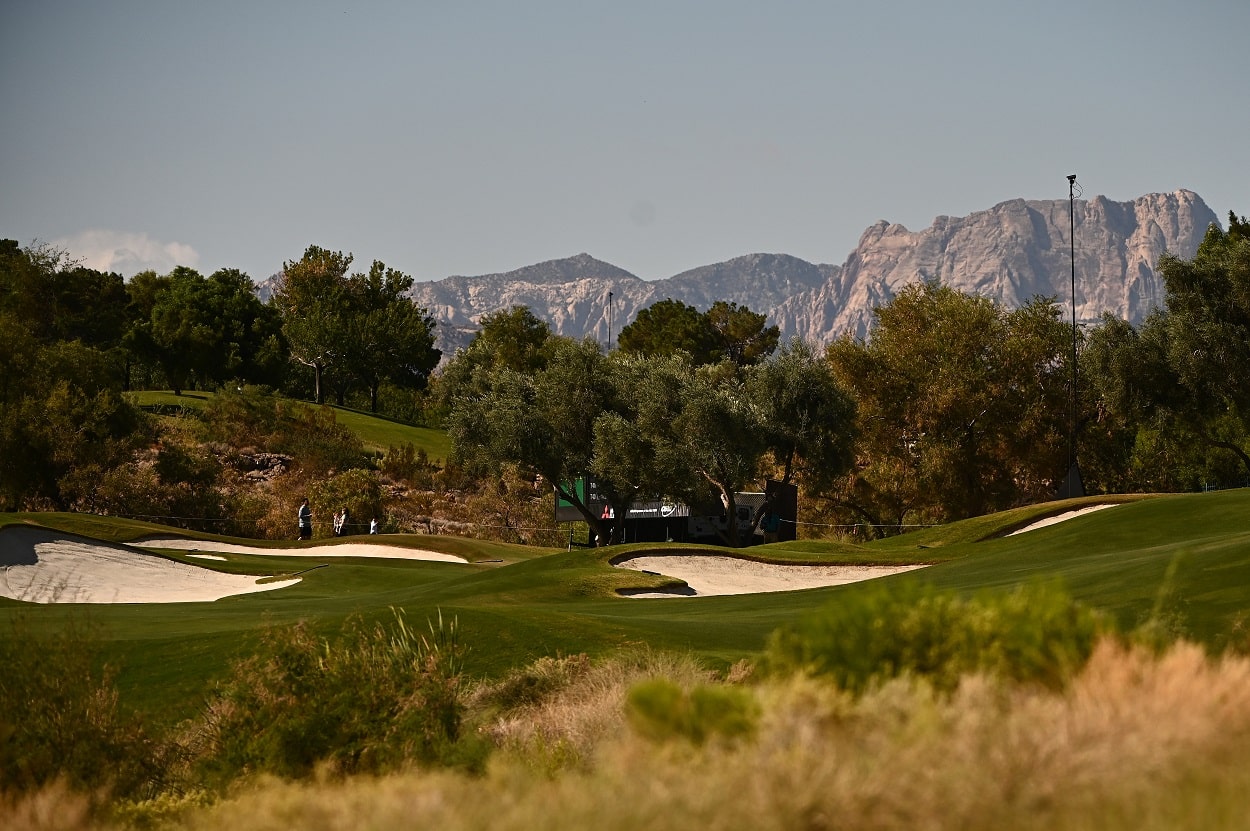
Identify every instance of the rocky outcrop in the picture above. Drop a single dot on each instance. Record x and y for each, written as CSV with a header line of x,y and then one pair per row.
x,y
1012,252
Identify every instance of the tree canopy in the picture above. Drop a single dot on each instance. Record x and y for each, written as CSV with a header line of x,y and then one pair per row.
x,y
725,332
541,420
312,296
354,329
1177,383
961,405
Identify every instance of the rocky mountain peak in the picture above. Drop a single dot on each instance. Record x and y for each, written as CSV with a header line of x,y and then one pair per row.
x,y
1011,253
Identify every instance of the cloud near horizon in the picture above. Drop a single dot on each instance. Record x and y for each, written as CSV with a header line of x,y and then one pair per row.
x,y
125,252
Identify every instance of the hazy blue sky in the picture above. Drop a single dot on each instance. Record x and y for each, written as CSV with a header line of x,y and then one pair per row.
x,y
462,137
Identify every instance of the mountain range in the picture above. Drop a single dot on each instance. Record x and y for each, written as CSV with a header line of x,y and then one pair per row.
x,y
1011,252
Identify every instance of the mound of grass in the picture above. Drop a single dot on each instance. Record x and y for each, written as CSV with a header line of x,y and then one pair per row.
x,y
377,433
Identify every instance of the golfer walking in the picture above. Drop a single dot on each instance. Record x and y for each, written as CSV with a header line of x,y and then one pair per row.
x,y
305,520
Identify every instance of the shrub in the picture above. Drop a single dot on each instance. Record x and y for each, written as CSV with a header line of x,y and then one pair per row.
x,y
409,464
1033,634
530,685
60,720
663,710
373,700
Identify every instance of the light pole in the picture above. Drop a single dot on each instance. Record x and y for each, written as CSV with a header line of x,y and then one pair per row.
x,y
1072,484
609,321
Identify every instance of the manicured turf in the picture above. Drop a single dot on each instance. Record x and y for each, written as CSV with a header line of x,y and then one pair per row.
x,y
1186,556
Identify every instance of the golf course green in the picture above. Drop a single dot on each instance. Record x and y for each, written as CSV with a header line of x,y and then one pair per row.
x,y
1186,557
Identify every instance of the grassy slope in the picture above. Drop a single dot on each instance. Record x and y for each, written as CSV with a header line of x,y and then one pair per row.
x,y
377,432
537,602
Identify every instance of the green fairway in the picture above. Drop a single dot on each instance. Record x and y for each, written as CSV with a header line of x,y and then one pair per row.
x,y
376,432
1185,556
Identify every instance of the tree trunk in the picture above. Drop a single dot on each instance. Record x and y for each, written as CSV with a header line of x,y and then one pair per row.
x,y
731,515
597,535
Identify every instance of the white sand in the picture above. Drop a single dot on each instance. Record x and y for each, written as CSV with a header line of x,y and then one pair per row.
x,y
346,549
715,575
40,566
1057,518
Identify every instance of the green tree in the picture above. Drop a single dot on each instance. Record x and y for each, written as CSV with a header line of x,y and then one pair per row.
x,y
726,331
632,458
740,334
719,435
204,331
138,344
543,421
807,419
514,339
181,334
90,306
62,420
667,327
29,279
313,296
1179,381
249,343
389,338
63,432
962,406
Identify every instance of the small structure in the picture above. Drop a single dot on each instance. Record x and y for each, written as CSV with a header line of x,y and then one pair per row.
x,y
665,520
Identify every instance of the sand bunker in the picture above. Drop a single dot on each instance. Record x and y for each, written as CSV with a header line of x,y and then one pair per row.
x,y
1057,518
41,566
343,549
714,575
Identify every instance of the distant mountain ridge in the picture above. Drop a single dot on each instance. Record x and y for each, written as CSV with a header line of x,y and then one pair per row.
x,y
572,294
1011,252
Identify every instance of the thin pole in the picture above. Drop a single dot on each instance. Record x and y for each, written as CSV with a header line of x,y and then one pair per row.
x,y
1072,468
609,321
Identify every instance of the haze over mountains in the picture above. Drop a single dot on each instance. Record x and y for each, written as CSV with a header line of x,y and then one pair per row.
x,y
1014,251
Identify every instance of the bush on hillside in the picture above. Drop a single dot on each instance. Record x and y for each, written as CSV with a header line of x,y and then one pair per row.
x,y
176,482
310,435
374,699
410,464
1036,634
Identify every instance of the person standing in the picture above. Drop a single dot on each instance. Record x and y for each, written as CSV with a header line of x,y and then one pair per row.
x,y
338,524
343,524
373,525
305,520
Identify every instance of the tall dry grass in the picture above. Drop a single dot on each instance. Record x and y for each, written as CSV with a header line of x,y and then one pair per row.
x,y
1137,740
555,714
